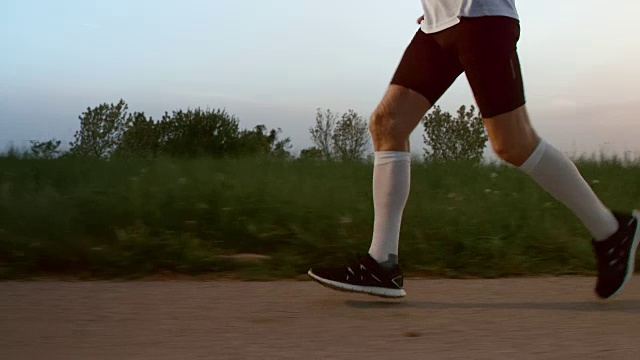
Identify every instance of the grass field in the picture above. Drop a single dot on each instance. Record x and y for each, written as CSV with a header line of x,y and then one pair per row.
x,y
111,219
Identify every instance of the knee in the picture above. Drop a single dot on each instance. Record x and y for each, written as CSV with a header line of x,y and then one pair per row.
x,y
503,150
385,129
377,123
514,153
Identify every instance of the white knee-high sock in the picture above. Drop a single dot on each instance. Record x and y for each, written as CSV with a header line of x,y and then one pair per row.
x,y
559,176
391,182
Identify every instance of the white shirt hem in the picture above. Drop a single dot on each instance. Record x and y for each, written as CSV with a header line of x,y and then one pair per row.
x,y
440,26
445,24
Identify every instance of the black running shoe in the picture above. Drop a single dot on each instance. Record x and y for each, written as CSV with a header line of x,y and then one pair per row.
x,y
365,276
616,256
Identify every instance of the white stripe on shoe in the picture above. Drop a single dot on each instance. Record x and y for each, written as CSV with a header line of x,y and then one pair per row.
x,y
369,290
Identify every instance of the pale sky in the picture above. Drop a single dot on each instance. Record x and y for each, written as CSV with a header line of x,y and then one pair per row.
x,y
274,62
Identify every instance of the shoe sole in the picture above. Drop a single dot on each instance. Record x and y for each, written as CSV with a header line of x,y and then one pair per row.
x,y
631,265
368,290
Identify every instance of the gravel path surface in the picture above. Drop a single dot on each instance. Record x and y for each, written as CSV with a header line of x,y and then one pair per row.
x,y
548,318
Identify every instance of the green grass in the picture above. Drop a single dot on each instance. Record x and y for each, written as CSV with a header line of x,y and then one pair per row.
x,y
135,218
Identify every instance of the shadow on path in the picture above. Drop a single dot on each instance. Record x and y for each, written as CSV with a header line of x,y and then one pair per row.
x,y
627,306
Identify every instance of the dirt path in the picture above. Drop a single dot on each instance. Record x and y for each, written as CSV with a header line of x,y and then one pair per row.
x,y
440,319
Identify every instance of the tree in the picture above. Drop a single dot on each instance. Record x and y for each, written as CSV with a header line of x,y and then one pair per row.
x,y
45,149
322,132
311,153
198,132
259,141
337,137
101,129
109,130
279,148
350,137
140,139
454,138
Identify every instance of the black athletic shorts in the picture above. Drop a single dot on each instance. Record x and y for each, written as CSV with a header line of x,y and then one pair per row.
x,y
484,48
